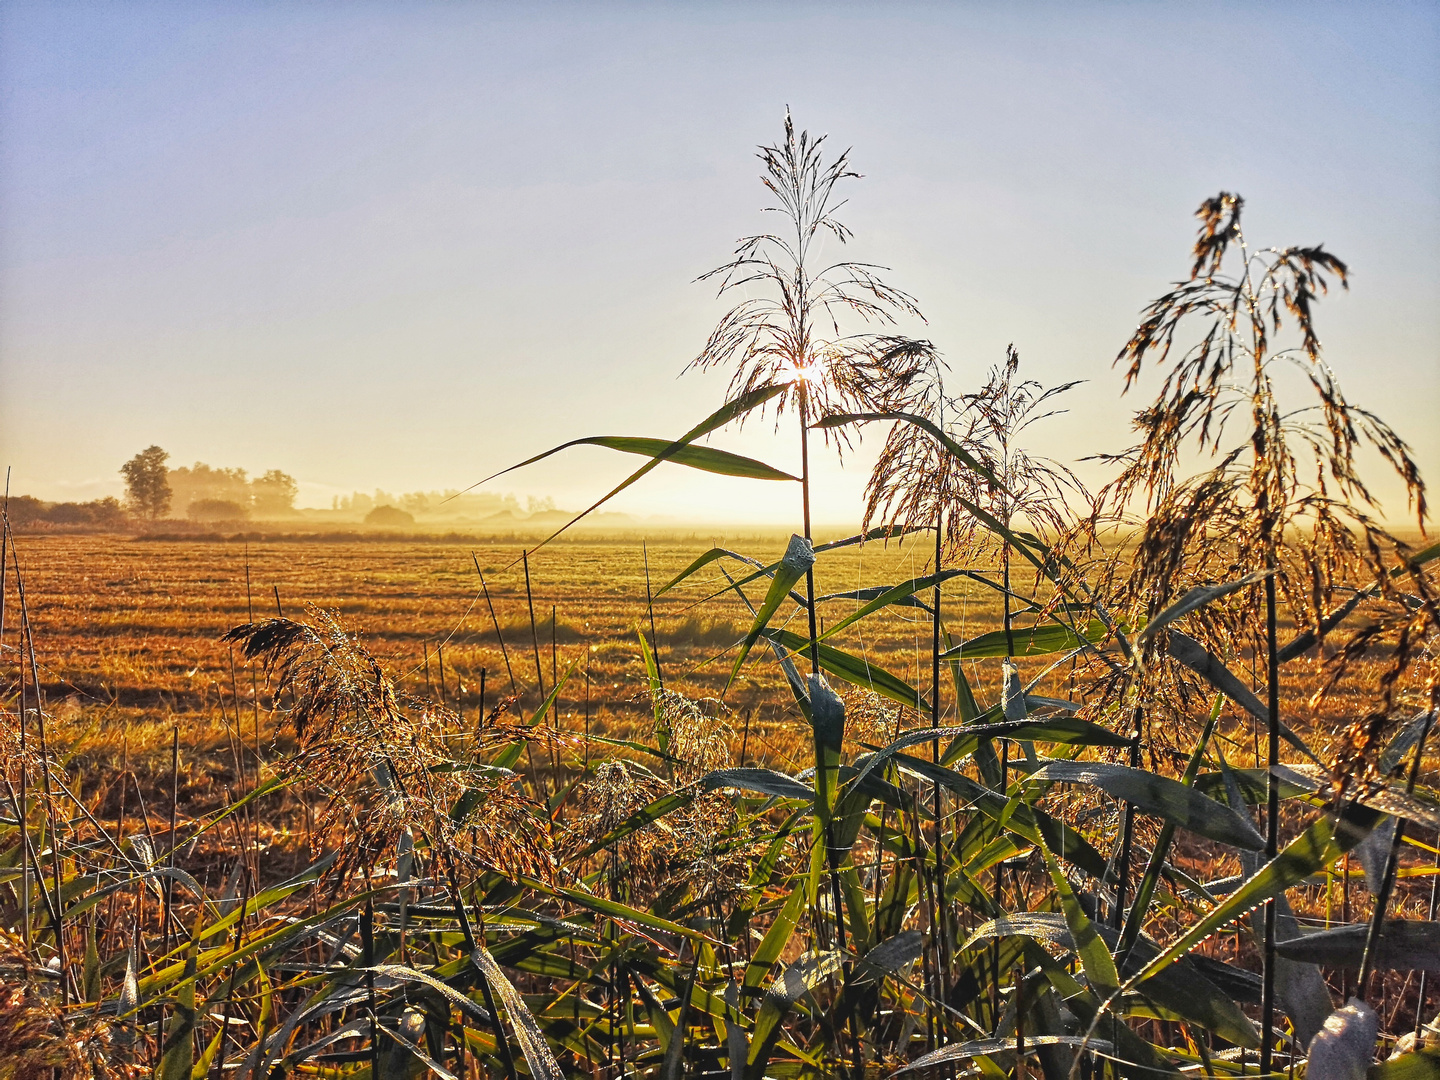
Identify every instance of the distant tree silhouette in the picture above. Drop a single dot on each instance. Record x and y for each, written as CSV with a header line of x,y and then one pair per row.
x,y
216,510
199,482
274,494
390,516
147,487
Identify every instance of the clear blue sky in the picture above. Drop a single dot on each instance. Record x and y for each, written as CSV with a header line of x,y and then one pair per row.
x,y
403,245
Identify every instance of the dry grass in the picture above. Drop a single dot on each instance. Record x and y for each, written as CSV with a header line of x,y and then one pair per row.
x,y
130,647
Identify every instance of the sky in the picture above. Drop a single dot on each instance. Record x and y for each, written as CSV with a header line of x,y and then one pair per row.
x,y
404,245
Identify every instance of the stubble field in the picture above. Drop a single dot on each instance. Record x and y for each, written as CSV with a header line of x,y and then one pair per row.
x,y
131,657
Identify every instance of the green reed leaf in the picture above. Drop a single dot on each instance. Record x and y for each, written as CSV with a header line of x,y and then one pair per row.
x,y
1016,815
1039,640
1313,850
1416,1065
1158,795
895,594
787,988
1195,599
1187,988
731,410
763,781
705,458
799,558
527,1030
640,819
777,937
851,669
705,560
1095,958
1404,945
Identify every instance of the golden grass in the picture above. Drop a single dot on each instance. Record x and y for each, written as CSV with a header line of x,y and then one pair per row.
x,y
129,632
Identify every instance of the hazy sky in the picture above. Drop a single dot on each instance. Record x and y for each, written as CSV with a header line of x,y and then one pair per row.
x,y
403,245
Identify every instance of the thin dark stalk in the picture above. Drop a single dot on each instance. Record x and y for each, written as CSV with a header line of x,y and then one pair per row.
x,y
27,636
554,682
1272,829
942,944
472,946
174,806
34,859
1005,596
496,623
922,875
1392,859
230,982
1136,918
1019,979
21,807
1127,834
534,634
999,888
1345,918
828,838
4,551
279,611
367,946
480,711
650,607
805,507
254,678
440,660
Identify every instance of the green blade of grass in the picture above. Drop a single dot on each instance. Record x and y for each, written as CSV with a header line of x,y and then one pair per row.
x,y
1313,850
851,669
764,781
731,410
1095,958
705,458
787,988
1403,945
894,594
1016,815
777,937
1040,640
1195,599
799,557
1158,795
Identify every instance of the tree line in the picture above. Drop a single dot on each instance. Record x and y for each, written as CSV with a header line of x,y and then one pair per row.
x,y
201,492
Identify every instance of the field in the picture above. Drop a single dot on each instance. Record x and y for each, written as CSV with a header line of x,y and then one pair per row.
x,y
129,636
129,629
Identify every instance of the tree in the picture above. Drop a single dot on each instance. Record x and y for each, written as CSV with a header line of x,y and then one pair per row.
x,y
200,482
274,494
216,510
147,486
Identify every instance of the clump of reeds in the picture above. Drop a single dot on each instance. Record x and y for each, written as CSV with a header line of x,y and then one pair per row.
x,y
383,763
